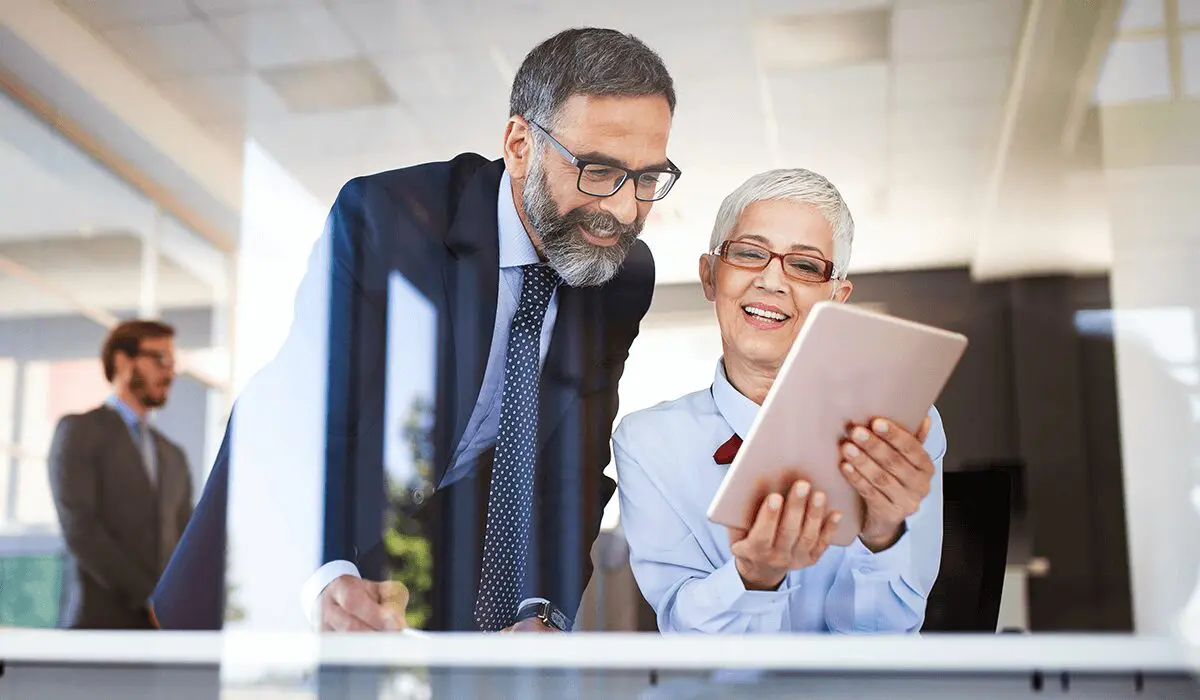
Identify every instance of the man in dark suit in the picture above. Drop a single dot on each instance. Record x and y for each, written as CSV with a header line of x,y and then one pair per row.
x,y
533,266
122,490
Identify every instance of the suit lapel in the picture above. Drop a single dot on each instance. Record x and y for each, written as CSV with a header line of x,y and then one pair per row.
x,y
472,278
566,359
164,474
133,452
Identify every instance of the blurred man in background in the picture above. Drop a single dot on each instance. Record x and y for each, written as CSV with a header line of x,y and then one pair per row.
x,y
533,265
122,490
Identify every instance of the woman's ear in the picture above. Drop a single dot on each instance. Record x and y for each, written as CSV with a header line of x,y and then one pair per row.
x,y
842,291
708,276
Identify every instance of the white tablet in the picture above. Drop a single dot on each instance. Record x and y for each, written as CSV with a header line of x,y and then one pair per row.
x,y
847,365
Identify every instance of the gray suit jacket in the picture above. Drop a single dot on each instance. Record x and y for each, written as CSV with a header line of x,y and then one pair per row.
x,y
119,529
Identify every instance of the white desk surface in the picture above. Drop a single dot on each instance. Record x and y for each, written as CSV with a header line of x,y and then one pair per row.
x,y
614,651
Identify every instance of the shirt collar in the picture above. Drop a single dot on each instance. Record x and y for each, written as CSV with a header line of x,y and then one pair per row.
x,y
124,410
515,247
737,410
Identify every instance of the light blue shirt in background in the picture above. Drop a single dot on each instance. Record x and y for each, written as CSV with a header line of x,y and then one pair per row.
x,y
666,478
140,432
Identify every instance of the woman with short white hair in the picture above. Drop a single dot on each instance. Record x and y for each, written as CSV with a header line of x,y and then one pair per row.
x,y
780,244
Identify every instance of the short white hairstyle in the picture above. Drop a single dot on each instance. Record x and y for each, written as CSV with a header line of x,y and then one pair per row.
x,y
793,185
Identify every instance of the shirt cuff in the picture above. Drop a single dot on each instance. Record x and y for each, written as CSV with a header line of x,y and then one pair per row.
x,y
732,595
530,601
311,591
884,564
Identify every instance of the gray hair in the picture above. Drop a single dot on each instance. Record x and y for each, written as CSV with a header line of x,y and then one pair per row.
x,y
793,185
586,62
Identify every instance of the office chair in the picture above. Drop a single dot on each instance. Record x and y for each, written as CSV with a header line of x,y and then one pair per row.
x,y
977,510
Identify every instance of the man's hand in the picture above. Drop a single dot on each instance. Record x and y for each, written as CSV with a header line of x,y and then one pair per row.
x,y
350,604
783,537
531,624
891,470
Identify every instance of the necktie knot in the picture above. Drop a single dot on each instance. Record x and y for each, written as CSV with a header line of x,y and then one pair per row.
x,y
539,281
728,450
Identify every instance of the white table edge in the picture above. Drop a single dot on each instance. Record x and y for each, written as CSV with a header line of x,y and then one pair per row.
x,y
608,651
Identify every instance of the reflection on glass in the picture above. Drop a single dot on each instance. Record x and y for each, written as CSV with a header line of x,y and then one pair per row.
x,y
408,449
277,433
81,248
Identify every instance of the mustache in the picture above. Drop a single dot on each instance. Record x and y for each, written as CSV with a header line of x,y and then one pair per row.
x,y
603,224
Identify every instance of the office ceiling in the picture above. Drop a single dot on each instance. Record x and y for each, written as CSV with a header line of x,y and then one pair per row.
x,y
900,103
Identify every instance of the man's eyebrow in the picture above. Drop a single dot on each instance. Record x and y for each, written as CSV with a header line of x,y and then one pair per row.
x,y
604,159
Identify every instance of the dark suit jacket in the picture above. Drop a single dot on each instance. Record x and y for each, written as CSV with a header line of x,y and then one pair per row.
x,y
119,528
436,225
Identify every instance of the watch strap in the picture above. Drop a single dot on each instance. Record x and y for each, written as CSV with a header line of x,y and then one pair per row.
x,y
548,613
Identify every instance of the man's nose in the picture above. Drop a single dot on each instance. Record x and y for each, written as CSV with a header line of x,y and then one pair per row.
x,y
623,205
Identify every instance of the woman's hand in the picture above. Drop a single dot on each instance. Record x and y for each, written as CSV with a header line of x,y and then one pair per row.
x,y
785,535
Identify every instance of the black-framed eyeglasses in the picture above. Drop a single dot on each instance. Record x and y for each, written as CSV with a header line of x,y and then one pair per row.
x,y
162,359
605,179
798,266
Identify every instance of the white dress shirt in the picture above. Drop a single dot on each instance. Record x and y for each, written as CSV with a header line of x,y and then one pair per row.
x,y
515,250
666,478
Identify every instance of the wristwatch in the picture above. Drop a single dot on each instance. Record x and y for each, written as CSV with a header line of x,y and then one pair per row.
x,y
549,615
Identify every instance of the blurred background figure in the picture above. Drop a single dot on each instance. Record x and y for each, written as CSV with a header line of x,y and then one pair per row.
x,y
122,489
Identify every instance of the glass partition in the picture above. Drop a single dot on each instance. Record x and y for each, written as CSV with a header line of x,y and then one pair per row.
x,y
334,208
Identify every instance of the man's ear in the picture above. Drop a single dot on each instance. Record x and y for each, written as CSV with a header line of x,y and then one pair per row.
x,y
121,363
708,276
518,147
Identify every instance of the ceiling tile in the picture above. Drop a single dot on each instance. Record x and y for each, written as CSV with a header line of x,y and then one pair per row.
x,y
958,29
517,34
965,80
330,135
106,14
168,50
235,97
399,26
1135,69
277,37
442,74
332,86
944,128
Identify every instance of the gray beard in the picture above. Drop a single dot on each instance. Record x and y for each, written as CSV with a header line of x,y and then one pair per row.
x,y
577,262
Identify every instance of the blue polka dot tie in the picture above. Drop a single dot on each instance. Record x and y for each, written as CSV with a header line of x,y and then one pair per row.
x,y
510,500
